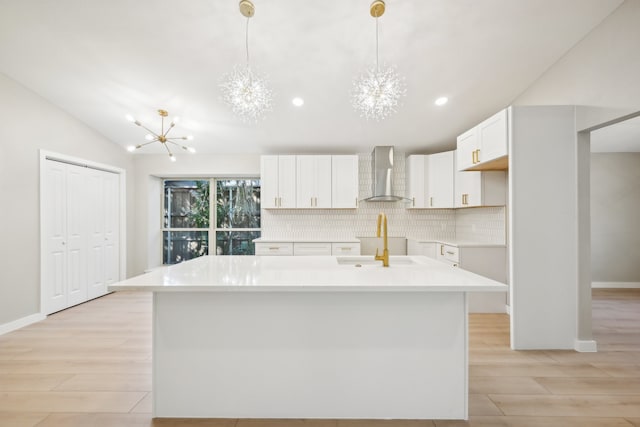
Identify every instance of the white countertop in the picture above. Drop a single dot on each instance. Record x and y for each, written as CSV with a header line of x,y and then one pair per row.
x,y
308,273
271,240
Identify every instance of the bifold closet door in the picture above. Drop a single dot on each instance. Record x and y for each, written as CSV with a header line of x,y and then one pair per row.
x,y
81,229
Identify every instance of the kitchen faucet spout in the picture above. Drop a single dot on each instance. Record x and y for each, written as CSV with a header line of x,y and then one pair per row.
x,y
382,222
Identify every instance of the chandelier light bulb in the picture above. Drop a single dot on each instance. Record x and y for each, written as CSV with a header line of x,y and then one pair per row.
x,y
376,93
172,157
130,118
149,137
191,150
131,148
247,93
189,137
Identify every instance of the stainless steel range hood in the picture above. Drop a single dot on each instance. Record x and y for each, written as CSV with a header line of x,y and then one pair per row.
x,y
382,179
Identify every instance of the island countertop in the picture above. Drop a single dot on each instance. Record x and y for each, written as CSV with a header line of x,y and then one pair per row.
x,y
309,273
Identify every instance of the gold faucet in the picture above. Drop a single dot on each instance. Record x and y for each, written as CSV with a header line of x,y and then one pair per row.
x,y
385,253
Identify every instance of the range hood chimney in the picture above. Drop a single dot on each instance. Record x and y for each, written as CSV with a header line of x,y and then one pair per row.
x,y
382,179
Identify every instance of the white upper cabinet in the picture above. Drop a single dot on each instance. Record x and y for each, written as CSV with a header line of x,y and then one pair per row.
x,y
278,181
484,147
466,152
440,177
313,182
415,169
309,181
480,189
429,180
344,182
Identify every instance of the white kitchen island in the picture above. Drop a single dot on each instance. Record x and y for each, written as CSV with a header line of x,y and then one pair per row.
x,y
310,337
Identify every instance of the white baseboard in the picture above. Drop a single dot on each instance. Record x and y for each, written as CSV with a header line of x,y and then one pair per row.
x,y
20,323
586,346
614,285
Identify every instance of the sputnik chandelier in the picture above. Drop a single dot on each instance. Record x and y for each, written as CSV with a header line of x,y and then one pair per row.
x,y
243,89
377,92
162,137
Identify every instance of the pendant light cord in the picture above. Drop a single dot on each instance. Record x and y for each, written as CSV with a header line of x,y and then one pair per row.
x,y
246,40
377,67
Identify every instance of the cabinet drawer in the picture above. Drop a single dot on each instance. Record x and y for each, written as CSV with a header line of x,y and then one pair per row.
x,y
274,248
448,252
311,249
338,249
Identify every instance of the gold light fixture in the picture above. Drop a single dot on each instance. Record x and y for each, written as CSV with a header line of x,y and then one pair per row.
x,y
162,137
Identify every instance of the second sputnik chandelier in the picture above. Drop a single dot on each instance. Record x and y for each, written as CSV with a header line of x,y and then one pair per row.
x,y
375,94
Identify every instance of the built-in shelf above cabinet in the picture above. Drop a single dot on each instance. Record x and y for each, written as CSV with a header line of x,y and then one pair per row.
x,y
309,181
484,147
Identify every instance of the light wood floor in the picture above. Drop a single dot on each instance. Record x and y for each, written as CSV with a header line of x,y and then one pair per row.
x,y
91,366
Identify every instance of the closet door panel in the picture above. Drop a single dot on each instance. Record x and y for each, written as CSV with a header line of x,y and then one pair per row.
x,y
111,228
55,231
76,234
96,235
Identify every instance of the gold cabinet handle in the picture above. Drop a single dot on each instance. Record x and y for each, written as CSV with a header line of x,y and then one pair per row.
x,y
450,253
473,157
430,201
275,201
478,155
273,248
279,201
414,202
441,249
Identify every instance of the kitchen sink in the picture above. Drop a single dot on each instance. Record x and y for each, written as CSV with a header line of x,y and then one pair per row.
x,y
362,261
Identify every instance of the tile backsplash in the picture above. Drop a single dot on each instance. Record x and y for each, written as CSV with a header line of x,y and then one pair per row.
x,y
479,224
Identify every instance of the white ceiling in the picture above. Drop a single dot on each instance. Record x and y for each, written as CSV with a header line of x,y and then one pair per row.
x,y
623,137
101,60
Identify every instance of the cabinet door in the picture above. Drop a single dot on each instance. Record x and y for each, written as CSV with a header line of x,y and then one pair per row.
x,y
269,181
467,144
286,181
323,182
344,182
493,137
313,183
416,180
468,189
440,173
305,181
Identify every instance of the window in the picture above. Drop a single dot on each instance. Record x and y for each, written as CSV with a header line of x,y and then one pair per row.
x,y
188,219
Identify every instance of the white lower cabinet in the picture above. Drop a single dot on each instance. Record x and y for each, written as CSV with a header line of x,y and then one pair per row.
x,y
345,249
265,248
427,249
487,261
311,248
308,248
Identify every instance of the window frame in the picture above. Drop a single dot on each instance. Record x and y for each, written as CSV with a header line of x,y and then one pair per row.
x,y
213,220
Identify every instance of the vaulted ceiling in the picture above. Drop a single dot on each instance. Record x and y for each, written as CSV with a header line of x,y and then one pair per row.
x,y
102,60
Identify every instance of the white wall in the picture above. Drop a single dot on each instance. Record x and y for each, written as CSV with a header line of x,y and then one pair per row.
x,y
149,171
601,74
30,123
601,70
615,219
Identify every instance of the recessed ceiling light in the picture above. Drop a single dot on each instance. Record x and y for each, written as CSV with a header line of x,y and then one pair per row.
x,y
297,101
441,101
